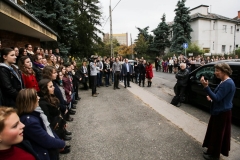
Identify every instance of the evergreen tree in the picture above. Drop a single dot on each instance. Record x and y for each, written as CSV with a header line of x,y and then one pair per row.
x,y
143,32
58,15
181,27
161,39
87,19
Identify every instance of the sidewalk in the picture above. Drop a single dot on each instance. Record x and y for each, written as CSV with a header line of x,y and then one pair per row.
x,y
134,124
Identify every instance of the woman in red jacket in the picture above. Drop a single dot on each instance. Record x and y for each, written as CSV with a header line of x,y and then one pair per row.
x,y
149,73
28,75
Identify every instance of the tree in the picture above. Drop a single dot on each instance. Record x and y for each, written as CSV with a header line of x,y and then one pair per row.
x,y
124,50
141,46
161,39
58,15
195,49
87,19
143,32
181,27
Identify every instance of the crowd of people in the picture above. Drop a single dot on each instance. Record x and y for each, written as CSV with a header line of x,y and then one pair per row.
x,y
172,63
39,92
38,95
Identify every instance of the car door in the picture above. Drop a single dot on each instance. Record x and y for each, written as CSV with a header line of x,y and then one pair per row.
x,y
198,95
236,100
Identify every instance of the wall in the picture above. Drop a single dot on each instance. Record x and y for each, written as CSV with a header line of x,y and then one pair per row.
x,y
10,39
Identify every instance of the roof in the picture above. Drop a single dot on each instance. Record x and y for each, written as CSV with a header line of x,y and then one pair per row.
x,y
212,16
198,7
29,15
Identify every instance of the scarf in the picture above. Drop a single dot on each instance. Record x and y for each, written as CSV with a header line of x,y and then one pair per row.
x,y
39,65
45,121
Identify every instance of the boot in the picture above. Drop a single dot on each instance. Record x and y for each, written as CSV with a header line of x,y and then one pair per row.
x,y
143,83
139,84
150,83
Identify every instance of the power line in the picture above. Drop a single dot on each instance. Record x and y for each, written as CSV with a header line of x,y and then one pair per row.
x,y
116,4
112,11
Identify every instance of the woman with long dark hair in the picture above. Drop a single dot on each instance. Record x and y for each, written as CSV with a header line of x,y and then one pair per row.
x,y
28,75
11,79
50,106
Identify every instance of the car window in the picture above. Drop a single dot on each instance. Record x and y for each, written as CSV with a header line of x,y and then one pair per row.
x,y
236,75
208,73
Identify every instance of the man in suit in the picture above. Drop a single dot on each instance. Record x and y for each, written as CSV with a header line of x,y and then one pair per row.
x,y
127,70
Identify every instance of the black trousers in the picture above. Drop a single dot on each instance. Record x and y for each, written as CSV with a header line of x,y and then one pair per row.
x,y
94,84
141,79
126,78
116,79
180,91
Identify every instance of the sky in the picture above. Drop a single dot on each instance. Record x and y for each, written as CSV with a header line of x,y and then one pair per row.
x,y
130,14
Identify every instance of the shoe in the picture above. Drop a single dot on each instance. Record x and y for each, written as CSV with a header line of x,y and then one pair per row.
x,y
67,147
178,105
129,86
106,85
75,102
66,138
114,88
74,107
209,157
118,88
68,133
72,112
94,95
69,119
125,87
65,150
97,93
78,98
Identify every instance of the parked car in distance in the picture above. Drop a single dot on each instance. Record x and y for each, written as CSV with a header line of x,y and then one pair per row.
x,y
195,93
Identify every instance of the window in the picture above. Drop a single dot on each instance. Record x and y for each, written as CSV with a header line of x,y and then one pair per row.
x,y
208,73
236,75
230,49
224,28
237,46
223,48
231,29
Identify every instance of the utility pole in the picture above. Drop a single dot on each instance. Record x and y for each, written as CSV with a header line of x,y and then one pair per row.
x,y
131,44
111,38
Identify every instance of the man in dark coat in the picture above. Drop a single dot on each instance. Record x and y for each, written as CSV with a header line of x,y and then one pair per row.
x,y
127,70
142,72
182,80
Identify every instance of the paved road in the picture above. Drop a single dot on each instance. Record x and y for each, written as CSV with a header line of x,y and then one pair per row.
x,y
123,124
117,125
163,87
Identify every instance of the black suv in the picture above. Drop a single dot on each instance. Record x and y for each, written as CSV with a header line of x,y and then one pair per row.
x,y
196,94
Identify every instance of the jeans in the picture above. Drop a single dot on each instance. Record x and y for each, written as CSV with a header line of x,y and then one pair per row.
x,y
99,79
107,74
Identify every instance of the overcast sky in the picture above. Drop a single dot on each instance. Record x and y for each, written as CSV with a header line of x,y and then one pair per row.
x,y
130,14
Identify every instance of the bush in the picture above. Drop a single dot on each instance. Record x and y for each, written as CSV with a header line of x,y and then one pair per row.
x,y
195,49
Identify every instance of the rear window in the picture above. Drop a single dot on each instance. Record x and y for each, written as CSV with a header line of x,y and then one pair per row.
x,y
236,75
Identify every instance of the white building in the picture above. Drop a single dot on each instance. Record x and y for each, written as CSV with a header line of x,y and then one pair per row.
x,y
121,38
214,33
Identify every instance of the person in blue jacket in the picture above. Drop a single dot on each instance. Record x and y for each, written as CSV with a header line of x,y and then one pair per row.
x,y
218,136
37,128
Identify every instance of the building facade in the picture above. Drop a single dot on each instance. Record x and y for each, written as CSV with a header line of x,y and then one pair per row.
x,y
214,33
18,27
121,38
